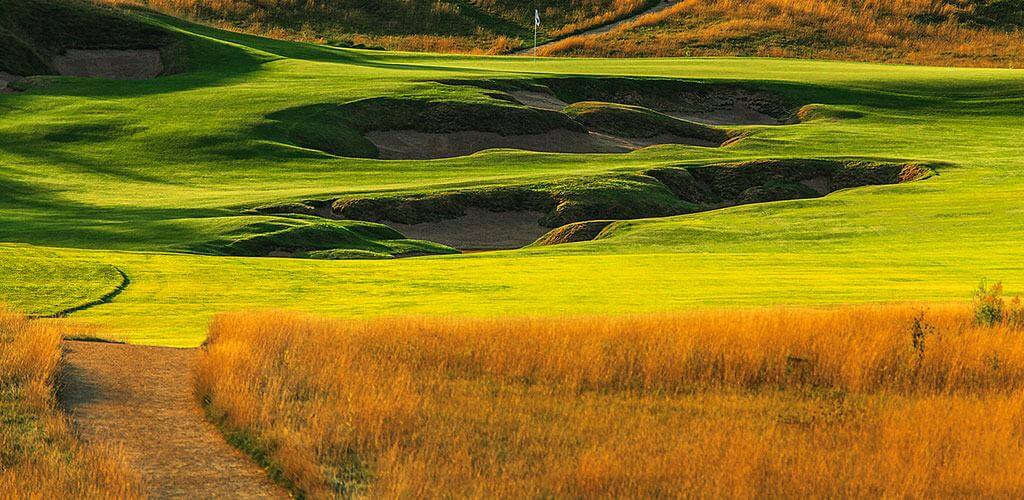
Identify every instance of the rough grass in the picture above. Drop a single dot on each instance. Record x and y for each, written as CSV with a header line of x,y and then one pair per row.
x,y
478,26
868,401
41,457
945,32
958,32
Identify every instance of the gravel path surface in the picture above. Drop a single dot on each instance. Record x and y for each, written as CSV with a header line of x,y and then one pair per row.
x,y
141,397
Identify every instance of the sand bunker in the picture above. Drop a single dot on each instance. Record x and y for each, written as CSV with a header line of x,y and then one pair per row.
x,y
414,145
479,229
738,114
539,100
114,64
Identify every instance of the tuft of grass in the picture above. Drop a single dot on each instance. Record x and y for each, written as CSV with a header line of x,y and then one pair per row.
x,y
40,455
768,402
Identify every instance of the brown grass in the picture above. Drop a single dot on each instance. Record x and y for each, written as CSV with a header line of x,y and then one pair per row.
x,y
41,457
866,401
881,31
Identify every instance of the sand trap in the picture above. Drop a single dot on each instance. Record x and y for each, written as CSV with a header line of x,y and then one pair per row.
x,y
539,100
479,229
822,185
114,64
739,114
413,145
6,78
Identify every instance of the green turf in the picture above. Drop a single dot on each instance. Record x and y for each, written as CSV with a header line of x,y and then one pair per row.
x,y
138,175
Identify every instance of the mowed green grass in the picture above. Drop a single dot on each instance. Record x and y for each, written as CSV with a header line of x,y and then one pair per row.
x,y
132,174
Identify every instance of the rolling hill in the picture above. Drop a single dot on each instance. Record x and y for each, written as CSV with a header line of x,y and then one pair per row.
x,y
944,32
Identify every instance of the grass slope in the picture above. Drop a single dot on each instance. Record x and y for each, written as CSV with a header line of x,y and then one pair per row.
x,y
134,174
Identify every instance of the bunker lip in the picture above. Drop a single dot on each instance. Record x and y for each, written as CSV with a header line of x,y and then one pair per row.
x,y
711,103
513,217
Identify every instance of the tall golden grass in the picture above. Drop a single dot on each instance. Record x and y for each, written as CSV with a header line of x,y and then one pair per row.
x,y
41,457
914,31
865,401
936,32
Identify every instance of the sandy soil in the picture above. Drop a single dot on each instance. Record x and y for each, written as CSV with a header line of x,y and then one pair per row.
x,y
141,398
413,145
823,185
116,64
539,100
739,114
479,229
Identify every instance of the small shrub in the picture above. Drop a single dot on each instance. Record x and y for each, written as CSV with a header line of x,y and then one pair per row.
x,y
919,331
989,305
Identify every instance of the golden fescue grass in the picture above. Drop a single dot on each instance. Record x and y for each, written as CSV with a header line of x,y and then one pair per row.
x,y
868,401
912,31
39,454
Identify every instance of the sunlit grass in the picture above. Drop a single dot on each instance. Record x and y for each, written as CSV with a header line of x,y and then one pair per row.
x,y
42,457
776,402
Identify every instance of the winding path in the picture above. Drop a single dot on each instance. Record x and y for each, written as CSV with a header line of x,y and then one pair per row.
x,y
141,398
604,28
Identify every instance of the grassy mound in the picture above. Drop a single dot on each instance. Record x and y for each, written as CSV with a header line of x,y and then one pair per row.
x,y
637,122
774,180
574,233
317,238
33,32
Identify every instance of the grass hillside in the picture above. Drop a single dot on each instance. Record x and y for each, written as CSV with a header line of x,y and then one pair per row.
x,y
944,32
940,32
493,26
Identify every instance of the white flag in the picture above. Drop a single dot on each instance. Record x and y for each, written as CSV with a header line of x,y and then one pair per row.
x,y
536,17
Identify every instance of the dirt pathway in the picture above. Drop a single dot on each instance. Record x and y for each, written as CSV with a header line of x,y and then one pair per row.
x,y
606,28
141,397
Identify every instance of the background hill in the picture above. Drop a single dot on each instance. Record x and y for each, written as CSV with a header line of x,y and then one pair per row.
x,y
492,26
943,32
